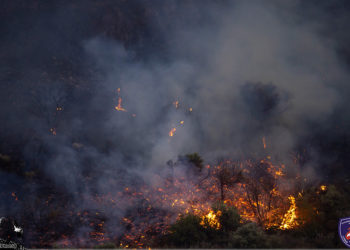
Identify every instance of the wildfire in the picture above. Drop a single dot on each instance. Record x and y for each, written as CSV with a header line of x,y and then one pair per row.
x,y
176,195
172,132
119,107
289,218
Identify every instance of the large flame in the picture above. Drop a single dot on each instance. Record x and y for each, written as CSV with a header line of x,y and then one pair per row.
x,y
289,219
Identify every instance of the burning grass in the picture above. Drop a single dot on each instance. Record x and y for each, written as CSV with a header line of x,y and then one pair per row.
x,y
254,188
221,200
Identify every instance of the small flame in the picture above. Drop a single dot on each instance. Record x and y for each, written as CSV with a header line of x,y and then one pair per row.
x,y
264,142
172,132
119,107
13,194
279,172
176,104
323,187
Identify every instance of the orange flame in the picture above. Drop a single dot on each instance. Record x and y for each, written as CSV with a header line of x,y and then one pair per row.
x,y
172,132
289,217
264,142
184,196
176,104
13,194
211,220
119,107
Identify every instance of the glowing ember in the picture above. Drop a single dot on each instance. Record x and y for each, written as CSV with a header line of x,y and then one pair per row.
x,y
211,219
289,218
13,194
53,131
172,132
176,104
119,107
264,141
279,172
323,187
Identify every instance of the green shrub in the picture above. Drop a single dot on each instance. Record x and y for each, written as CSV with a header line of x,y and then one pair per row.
x,y
248,236
187,232
107,245
229,218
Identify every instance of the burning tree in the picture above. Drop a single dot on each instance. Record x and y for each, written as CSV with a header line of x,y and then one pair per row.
x,y
227,174
262,192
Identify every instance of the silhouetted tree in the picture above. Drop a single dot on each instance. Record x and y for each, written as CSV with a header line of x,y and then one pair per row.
x,y
227,174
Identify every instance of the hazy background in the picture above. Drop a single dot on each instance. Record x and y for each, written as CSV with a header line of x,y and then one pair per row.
x,y
248,70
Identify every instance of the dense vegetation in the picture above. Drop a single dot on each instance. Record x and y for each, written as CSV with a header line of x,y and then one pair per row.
x,y
318,213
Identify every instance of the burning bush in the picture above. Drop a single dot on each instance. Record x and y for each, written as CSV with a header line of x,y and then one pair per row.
x,y
196,231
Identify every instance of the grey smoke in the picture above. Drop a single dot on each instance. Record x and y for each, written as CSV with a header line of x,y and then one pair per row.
x,y
248,70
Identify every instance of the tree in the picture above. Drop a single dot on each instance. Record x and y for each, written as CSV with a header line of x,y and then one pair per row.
x,y
229,217
187,232
248,236
196,160
227,174
196,231
319,212
259,186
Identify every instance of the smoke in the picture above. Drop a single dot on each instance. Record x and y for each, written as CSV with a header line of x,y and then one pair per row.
x,y
240,71
244,77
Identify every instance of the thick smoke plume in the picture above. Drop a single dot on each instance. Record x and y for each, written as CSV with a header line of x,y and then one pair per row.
x,y
242,72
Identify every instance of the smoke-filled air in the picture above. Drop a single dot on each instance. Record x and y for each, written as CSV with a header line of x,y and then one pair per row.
x,y
175,124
